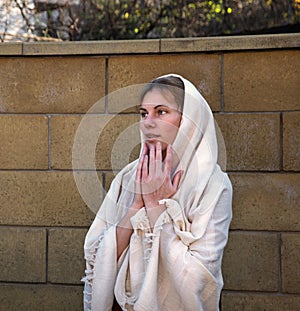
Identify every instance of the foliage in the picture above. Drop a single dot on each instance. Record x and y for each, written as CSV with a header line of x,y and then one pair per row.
x,y
137,19
124,19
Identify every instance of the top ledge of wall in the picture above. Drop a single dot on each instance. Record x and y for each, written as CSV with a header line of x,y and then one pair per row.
x,y
231,43
211,44
11,48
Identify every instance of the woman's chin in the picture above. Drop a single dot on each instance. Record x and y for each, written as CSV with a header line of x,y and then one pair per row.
x,y
153,142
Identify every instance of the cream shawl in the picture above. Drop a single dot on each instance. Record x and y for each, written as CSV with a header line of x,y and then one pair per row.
x,y
177,266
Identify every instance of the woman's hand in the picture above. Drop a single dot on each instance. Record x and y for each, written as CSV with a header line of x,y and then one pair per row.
x,y
138,201
156,179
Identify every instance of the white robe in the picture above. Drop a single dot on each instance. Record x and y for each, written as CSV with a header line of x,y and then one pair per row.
x,y
177,266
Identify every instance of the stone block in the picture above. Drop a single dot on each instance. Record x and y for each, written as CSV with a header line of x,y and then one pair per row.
x,y
202,70
291,141
37,198
11,48
40,297
266,202
91,47
51,85
251,262
259,302
24,142
22,255
62,136
290,259
65,255
229,43
252,141
94,142
262,81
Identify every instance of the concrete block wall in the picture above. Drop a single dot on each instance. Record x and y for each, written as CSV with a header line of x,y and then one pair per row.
x,y
253,87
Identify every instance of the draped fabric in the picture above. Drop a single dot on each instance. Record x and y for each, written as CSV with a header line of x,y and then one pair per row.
x,y
177,265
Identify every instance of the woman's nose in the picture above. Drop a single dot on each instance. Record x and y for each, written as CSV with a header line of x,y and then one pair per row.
x,y
150,121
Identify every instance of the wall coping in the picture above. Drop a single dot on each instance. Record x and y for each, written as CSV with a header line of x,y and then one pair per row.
x,y
178,45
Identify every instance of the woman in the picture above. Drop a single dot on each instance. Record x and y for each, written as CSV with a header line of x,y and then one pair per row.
x,y
158,239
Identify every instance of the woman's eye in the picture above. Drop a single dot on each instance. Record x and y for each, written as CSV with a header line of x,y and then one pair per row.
x,y
161,112
143,114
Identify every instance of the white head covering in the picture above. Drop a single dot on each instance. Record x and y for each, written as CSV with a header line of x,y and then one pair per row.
x,y
196,148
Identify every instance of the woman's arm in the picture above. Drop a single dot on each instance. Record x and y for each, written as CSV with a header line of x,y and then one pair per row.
x,y
125,230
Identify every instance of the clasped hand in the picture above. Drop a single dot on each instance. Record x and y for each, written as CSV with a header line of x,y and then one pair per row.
x,y
153,180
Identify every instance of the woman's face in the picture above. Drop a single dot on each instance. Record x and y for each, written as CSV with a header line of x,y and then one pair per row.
x,y
160,117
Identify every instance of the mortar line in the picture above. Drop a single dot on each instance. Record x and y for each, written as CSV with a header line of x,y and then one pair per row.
x,y
281,142
48,227
280,263
47,255
252,292
49,142
103,184
106,85
222,106
20,283
86,227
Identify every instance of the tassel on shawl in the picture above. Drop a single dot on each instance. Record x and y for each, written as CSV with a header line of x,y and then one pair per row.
x,y
90,257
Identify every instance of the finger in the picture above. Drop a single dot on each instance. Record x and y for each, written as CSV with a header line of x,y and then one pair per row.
x,y
145,149
168,160
176,180
138,175
145,168
152,160
140,165
158,158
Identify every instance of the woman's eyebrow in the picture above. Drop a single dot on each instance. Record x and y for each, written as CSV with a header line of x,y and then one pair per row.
x,y
155,107
158,106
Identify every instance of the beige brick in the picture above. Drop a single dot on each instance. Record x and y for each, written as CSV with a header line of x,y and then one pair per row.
x,y
65,255
203,70
41,297
262,81
259,302
291,141
62,136
51,85
125,99
251,262
266,202
24,142
91,47
290,258
102,142
48,198
22,255
252,141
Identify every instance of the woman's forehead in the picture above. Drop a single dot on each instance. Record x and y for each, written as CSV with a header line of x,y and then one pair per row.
x,y
158,97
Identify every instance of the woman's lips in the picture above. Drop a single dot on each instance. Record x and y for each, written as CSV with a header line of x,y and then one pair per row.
x,y
152,137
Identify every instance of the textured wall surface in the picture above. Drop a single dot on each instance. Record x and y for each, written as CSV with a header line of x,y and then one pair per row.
x,y
253,87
